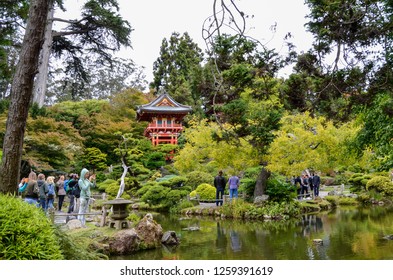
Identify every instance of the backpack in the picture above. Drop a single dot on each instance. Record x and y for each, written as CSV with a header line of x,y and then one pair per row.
x,y
51,192
36,189
77,191
66,185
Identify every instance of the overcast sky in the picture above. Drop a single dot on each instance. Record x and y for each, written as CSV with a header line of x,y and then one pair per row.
x,y
154,20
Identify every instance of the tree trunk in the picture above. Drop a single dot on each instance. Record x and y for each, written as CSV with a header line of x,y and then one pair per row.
x,y
260,186
40,83
21,92
123,176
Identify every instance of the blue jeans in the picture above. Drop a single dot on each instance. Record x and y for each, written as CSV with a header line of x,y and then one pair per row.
x,y
316,191
32,201
43,203
219,196
71,206
50,203
305,190
232,193
83,208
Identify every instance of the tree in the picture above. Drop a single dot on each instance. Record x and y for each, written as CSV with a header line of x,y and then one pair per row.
x,y
12,15
102,83
100,31
358,34
315,143
202,153
376,131
174,69
21,93
94,159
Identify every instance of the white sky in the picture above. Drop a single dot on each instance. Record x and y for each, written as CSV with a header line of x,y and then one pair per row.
x,y
154,20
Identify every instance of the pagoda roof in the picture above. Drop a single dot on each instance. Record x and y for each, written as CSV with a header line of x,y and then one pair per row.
x,y
163,104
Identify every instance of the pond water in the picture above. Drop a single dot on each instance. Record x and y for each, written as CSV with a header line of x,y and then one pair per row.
x,y
347,234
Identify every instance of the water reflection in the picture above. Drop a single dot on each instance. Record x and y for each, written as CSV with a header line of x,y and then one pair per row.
x,y
221,240
236,244
347,233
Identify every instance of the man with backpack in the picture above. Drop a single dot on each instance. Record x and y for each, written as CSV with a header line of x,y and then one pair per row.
x,y
73,193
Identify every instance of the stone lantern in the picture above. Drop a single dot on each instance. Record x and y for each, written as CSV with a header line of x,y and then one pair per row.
x,y
120,213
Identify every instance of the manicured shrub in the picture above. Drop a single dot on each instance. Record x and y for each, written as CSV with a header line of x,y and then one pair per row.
x,y
174,182
205,191
155,195
358,181
25,232
104,184
174,196
380,184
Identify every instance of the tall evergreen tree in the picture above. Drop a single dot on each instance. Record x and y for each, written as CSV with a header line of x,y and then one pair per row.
x,y
21,92
174,70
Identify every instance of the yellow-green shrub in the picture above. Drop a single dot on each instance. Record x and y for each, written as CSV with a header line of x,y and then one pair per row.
x,y
205,191
380,184
25,232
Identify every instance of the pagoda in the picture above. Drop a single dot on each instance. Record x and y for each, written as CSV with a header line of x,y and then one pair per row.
x,y
165,117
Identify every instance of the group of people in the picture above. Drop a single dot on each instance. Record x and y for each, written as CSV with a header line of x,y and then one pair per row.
x,y
42,192
308,184
220,182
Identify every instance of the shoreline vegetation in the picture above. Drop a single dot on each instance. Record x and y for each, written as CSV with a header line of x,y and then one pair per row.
x,y
92,242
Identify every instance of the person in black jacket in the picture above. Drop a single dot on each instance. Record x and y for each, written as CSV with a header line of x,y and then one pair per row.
x,y
305,182
316,180
73,190
219,184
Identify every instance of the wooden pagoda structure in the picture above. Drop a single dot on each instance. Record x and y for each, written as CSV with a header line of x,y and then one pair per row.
x,y
165,117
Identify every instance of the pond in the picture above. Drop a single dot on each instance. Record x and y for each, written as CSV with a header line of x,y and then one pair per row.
x,y
346,234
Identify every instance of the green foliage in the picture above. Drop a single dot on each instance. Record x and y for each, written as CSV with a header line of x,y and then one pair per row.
x,y
110,187
248,181
364,198
306,142
358,181
204,191
377,131
381,185
347,201
174,71
175,196
155,160
164,194
74,248
333,200
195,178
183,204
51,144
202,153
279,190
26,233
247,186
134,218
155,194
94,159
240,209
174,182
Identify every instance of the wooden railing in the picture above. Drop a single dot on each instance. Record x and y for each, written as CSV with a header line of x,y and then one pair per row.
x,y
155,126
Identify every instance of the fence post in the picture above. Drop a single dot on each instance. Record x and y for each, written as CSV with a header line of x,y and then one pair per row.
x,y
103,217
